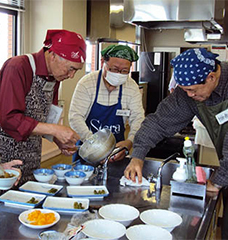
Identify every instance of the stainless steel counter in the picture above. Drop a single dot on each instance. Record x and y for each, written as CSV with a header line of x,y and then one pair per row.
x,y
195,222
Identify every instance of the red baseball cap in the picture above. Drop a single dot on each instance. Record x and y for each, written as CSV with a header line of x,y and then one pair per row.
x,y
66,44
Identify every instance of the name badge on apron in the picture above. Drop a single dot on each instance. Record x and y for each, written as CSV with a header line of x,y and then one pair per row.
x,y
53,117
222,117
48,87
123,113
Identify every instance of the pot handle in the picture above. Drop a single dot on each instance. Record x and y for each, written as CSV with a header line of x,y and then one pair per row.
x,y
117,150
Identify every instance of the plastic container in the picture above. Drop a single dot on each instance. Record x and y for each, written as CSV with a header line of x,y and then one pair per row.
x,y
188,151
180,174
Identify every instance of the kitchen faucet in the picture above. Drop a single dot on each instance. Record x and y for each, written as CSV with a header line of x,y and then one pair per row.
x,y
158,179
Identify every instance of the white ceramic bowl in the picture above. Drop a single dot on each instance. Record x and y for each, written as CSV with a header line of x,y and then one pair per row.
x,y
104,229
61,169
161,218
87,169
147,232
121,213
7,183
43,174
75,177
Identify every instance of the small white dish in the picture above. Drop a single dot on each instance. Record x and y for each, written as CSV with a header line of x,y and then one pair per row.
x,y
75,177
65,205
61,169
147,232
44,188
20,199
43,174
87,192
87,169
23,218
161,218
104,229
121,213
7,183
61,179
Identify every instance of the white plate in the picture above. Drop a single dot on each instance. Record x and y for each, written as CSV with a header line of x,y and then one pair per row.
x,y
19,199
103,229
38,187
147,232
161,218
65,205
121,213
87,192
23,218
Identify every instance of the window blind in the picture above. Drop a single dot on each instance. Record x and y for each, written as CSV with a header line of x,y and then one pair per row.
x,y
18,5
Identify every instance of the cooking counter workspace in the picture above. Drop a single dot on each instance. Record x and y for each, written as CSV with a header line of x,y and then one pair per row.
x,y
197,218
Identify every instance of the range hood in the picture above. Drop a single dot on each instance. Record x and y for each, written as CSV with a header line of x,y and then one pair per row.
x,y
202,20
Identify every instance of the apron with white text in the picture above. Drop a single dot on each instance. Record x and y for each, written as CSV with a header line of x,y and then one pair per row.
x,y
101,116
38,103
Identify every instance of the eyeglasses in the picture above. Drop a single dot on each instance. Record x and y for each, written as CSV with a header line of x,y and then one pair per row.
x,y
116,70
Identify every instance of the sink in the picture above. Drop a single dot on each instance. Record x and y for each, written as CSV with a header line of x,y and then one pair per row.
x,y
151,166
181,197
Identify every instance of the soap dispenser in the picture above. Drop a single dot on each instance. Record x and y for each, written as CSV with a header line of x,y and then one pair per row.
x,y
180,175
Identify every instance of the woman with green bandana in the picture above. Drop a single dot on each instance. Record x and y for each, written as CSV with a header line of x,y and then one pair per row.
x,y
109,98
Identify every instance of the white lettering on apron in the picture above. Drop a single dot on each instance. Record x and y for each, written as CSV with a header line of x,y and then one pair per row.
x,y
115,129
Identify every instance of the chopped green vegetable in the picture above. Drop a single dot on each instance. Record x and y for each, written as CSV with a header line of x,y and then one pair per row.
x,y
78,205
99,191
32,201
53,190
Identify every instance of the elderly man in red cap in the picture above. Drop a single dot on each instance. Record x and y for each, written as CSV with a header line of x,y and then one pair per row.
x,y
29,95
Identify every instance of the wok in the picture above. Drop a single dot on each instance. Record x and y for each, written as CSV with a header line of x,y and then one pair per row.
x,y
99,147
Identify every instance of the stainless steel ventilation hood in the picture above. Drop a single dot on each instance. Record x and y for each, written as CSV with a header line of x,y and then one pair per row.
x,y
203,20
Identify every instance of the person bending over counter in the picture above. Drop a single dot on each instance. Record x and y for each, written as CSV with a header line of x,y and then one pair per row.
x,y
108,98
202,91
28,88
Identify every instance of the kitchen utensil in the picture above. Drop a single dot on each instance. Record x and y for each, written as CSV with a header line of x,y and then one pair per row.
x,y
98,147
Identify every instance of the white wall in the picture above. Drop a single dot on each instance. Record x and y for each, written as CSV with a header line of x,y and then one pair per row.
x,y
41,15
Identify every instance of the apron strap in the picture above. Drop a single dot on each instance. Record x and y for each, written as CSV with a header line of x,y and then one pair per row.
x,y
32,63
98,86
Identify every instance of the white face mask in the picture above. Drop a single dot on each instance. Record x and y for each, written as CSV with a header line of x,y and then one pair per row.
x,y
116,79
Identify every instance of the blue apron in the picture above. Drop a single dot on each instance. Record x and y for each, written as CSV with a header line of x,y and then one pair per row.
x,y
101,116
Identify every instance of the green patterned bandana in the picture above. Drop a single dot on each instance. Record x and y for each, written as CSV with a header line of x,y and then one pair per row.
x,y
120,51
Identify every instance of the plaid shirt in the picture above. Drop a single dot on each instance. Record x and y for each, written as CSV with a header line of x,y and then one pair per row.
x,y
173,114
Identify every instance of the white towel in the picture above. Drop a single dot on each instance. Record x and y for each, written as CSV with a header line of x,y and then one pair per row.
x,y
126,182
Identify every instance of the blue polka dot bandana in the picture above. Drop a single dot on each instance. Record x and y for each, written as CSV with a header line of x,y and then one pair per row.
x,y
193,66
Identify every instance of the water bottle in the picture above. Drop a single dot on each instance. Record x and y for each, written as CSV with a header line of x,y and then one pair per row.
x,y
188,151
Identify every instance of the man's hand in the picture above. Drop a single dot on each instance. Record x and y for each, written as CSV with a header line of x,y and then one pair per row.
x,y
121,155
211,187
10,165
66,136
133,169
66,149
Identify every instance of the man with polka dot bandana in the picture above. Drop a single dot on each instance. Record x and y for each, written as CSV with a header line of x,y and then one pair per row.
x,y
202,90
